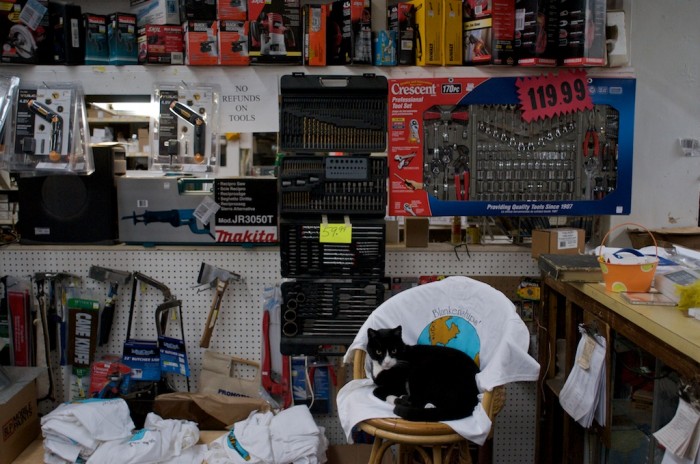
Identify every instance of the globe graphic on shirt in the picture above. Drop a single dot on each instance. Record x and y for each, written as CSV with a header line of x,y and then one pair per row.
x,y
454,332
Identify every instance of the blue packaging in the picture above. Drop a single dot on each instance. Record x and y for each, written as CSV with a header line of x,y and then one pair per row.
x,y
385,48
122,38
96,47
143,358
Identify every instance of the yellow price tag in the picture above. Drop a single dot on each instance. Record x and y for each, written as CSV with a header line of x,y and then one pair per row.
x,y
336,233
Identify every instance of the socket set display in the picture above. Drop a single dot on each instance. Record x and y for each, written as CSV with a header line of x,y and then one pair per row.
x,y
571,157
304,255
480,147
333,113
325,311
351,184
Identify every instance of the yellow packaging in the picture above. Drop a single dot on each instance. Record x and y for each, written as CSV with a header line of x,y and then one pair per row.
x,y
428,32
452,37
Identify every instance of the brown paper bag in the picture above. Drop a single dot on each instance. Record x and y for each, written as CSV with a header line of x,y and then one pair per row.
x,y
218,376
210,412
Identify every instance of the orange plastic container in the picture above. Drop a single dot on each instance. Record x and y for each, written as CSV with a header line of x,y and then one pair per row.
x,y
620,277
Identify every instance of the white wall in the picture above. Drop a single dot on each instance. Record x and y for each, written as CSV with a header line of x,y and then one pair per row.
x,y
665,48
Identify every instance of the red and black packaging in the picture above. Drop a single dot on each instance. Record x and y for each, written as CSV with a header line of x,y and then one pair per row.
x,y
582,33
201,42
205,10
276,34
233,43
161,44
401,19
536,32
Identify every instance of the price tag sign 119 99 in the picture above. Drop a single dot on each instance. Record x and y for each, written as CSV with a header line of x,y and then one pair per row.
x,y
553,95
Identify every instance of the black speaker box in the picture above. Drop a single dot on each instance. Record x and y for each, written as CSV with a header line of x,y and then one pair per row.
x,y
72,209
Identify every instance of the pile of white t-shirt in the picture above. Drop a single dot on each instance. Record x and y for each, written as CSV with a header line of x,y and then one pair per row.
x,y
76,430
290,436
100,431
160,441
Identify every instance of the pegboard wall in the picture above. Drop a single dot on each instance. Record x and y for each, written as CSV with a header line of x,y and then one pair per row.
x,y
238,330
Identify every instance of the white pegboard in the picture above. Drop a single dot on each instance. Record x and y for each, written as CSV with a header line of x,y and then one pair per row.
x,y
238,330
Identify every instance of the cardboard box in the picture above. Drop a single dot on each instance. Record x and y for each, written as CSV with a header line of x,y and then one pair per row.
x,y
581,33
385,48
204,10
315,18
416,232
161,210
276,33
452,36
339,33
161,45
96,45
429,22
361,26
68,33
232,10
561,241
25,35
19,418
201,42
248,213
157,12
121,35
401,21
233,43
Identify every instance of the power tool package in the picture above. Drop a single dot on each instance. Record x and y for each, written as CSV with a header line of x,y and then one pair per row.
x,y
47,127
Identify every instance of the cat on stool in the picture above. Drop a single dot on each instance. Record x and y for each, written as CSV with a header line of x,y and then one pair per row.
x,y
423,382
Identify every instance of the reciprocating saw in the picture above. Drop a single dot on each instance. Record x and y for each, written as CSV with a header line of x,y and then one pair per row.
x,y
174,217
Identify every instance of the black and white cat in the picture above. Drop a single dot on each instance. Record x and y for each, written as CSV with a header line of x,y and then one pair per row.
x,y
424,382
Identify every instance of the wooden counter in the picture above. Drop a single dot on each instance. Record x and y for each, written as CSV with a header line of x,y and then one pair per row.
x,y
665,332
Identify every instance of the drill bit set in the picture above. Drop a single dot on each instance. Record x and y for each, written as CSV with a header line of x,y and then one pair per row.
x,y
333,113
329,184
327,312
331,208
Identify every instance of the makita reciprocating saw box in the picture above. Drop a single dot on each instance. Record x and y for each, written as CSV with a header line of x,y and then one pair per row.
x,y
166,210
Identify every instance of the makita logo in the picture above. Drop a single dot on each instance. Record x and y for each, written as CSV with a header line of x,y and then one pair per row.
x,y
451,88
398,89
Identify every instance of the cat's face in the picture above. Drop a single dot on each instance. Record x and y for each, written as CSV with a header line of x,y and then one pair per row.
x,y
384,346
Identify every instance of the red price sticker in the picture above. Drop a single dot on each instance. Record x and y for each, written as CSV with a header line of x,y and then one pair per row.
x,y
543,97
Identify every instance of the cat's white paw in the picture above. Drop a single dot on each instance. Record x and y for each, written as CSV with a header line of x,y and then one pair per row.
x,y
391,399
429,406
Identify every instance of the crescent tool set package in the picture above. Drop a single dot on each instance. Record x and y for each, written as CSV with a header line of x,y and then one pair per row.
x,y
48,130
462,147
185,129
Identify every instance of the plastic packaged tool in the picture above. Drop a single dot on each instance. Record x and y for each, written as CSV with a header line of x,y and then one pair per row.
x,y
48,131
184,130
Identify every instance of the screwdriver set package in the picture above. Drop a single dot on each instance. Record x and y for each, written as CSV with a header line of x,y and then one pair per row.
x,y
48,130
468,150
305,254
328,311
333,113
351,184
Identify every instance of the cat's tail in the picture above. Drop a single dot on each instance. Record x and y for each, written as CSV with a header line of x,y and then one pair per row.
x,y
418,414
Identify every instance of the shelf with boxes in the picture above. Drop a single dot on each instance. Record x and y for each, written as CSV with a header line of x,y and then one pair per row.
x,y
316,33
